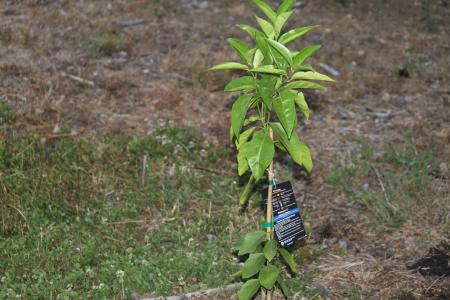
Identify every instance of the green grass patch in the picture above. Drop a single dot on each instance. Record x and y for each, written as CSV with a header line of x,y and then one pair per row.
x,y
75,215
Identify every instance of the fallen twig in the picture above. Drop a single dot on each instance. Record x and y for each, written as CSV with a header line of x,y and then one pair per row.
x,y
353,206
228,288
336,208
386,114
344,266
330,70
139,221
144,168
129,22
49,92
179,76
55,136
77,78
218,172
23,216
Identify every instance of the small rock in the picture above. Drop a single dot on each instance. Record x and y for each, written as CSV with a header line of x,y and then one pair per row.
x,y
211,237
320,287
385,254
135,296
343,244
386,97
8,11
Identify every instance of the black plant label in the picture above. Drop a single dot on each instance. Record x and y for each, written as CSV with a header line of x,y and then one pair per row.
x,y
286,215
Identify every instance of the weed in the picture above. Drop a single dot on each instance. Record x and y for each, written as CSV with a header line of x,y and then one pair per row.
x,y
429,20
66,129
159,13
7,114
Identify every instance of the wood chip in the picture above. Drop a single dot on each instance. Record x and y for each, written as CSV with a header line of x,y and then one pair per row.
x,y
344,266
228,288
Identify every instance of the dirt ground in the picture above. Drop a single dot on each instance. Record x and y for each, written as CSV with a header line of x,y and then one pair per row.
x,y
115,67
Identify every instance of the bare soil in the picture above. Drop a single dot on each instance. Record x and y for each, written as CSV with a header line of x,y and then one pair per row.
x,y
80,63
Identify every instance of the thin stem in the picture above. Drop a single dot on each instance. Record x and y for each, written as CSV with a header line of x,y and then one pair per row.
x,y
269,213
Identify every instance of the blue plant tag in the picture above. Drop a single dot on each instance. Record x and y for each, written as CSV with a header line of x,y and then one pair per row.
x,y
286,215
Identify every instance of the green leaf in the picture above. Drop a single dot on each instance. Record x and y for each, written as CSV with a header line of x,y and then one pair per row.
x,y
238,112
270,249
311,76
265,89
238,243
229,65
231,133
299,152
304,68
251,120
242,83
245,193
249,289
260,153
242,161
237,274
259,249
258,58
304,85
267,28
280,146
278,83
250,55
303,55
250,30
285,6
285,109
279,59
266,9
253,264
283,286
240,48
281,20
293,34
300,101
282,49
288,258
264,48
244,137
268,276
254,102
251,241
270,69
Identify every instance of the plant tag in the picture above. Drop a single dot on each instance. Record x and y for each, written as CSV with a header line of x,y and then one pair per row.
x,y
286,215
